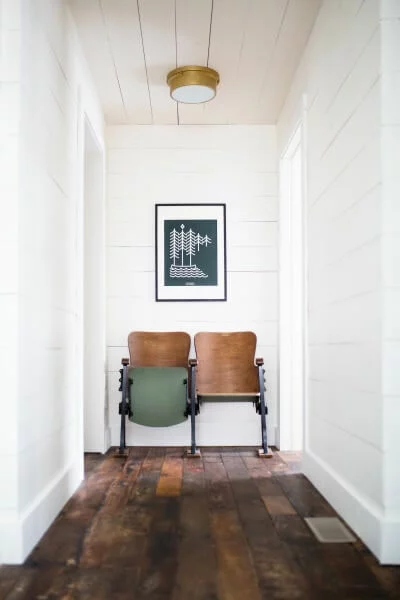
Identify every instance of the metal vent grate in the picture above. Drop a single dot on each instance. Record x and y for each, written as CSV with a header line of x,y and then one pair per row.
x,y
329,530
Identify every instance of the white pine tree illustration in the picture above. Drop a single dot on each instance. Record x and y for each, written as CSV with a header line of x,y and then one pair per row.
x,y
206,240
174,245
198,241
182,242
190,245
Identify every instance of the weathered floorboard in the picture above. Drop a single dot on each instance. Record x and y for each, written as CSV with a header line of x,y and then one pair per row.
x,y
197,567
158,526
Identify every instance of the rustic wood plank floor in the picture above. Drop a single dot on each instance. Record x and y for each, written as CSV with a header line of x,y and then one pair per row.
x,y
229,526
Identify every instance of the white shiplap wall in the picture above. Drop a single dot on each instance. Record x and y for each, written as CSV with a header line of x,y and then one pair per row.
x,y
44,413
235,165
390,153
9,190
346,437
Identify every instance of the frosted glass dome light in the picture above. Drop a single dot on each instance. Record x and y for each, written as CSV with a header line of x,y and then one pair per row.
x,y
193,84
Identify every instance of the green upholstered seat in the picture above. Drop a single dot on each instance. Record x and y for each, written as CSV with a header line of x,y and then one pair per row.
x,y
158,395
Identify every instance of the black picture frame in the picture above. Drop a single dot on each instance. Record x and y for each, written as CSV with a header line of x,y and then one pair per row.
x,y
190,252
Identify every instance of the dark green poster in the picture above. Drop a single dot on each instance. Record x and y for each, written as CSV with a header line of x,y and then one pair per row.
x,y
190,251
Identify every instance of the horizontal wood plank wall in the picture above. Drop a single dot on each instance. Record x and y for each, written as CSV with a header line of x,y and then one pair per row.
x,y
235,165
390,148
41,142
352,137
343,199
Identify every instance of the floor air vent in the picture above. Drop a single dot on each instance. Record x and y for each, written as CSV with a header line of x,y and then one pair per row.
x,y
329,530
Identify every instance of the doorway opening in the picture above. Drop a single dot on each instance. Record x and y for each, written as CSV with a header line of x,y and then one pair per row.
x,y
292,296
93,291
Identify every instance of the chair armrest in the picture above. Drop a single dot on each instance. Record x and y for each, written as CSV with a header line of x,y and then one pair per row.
x,y
259,362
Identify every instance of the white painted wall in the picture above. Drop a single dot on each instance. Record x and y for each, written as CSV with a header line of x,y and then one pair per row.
x,y
44,413
348,438
235,165
9,284
292,314
96,434
390,153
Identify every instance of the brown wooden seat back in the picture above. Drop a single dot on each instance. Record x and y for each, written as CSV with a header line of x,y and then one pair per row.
x,y
159,348
226,363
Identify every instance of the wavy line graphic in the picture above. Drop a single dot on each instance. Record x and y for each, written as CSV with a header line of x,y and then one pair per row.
x,y
186,272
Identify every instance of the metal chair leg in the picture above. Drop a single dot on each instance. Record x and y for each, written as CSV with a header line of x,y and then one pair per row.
x,y
194,451
123,406
264,450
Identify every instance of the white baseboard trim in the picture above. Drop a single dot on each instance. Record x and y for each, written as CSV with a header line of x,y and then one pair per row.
x,y
390,536
10,538
19,534
380,532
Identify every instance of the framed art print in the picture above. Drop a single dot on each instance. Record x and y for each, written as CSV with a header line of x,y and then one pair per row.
x,y
190,252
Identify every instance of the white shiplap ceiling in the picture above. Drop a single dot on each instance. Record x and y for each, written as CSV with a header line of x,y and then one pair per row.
x,y
131,45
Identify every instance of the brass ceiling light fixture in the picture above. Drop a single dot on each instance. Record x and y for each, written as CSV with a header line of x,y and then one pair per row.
x,y
193,84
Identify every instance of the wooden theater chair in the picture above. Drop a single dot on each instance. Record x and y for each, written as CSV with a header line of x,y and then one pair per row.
x,y
225,365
